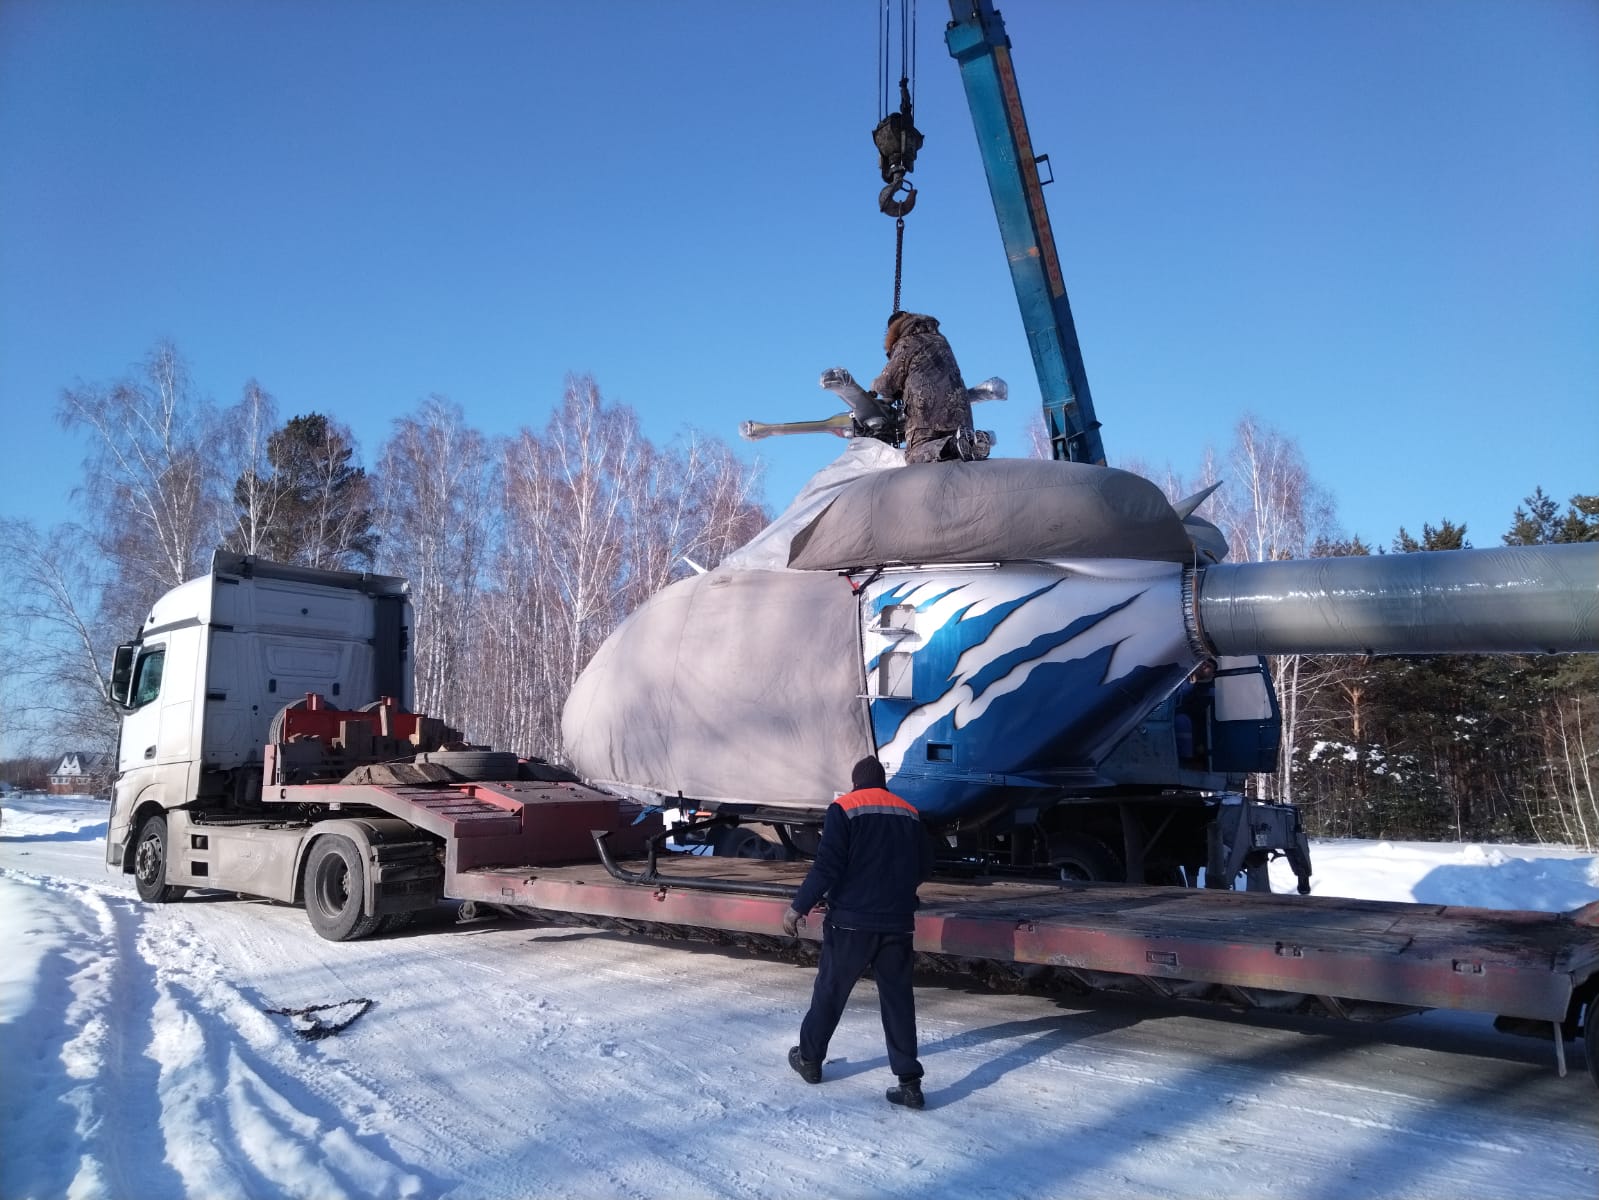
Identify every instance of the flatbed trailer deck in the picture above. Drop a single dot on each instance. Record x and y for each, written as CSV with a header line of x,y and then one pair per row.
x,y
1518,964
534,845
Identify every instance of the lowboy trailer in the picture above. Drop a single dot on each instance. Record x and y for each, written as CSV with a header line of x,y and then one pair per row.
x,y
547,845
365,812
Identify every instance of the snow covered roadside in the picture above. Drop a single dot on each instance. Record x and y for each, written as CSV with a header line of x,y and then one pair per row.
x,y
1536,878
508,1059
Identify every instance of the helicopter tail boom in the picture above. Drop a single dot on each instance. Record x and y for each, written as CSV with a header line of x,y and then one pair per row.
x,y
1514,600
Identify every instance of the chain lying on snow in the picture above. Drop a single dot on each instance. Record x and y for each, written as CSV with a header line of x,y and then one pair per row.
x,y
314,1028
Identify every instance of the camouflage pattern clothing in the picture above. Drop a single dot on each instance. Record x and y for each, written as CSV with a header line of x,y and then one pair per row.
x,y
922,373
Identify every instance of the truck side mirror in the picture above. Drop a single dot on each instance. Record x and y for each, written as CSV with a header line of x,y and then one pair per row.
x,y
121,681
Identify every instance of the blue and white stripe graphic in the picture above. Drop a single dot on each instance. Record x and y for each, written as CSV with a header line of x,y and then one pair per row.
x,y
1028,671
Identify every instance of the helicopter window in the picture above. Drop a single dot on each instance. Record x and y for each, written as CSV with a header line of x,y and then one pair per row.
x,y
894,675
897,617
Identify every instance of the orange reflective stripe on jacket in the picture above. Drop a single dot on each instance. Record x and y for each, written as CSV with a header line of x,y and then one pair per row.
x,y
875,802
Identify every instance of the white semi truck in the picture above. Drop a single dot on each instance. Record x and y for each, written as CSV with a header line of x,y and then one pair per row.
x,y
254,699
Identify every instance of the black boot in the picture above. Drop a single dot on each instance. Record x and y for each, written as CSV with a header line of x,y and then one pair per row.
x,y
908,1093
808,1071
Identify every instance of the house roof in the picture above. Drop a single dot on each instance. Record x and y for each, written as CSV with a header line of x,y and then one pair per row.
x,y
85,762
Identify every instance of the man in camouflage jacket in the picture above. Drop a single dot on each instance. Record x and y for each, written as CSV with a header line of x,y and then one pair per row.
x,y
922,373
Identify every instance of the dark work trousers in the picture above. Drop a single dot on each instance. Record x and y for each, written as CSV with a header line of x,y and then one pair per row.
x,y
846,953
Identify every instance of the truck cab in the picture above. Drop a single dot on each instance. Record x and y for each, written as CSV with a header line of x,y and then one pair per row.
x,y
218,658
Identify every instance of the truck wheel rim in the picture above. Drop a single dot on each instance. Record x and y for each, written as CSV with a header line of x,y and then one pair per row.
x,y
333,886
148,867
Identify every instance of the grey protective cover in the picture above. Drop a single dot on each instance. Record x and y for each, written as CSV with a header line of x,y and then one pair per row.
x,y
1000,510
741,680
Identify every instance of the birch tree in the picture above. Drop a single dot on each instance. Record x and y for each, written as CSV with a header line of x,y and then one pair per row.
x,y
248,428
436,520
1273,511
56,644
597,519
152,491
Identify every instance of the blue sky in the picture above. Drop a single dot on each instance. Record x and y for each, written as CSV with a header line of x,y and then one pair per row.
x,y
1374,224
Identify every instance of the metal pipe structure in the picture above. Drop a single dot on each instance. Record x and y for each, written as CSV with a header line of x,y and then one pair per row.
x,y
650,878
1514,600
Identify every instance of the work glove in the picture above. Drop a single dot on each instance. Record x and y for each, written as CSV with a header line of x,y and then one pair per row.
x,y
791,920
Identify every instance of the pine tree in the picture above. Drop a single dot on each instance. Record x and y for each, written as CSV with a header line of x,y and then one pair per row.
x,y
1444,536
1559,697
1581,522
1536,524
320,503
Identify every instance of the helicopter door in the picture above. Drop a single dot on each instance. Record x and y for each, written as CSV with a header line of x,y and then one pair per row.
x,y
1247,722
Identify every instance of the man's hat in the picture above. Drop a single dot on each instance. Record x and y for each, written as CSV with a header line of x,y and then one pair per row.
x,y
868,773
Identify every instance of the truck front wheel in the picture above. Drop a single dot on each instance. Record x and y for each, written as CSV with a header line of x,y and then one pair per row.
x,y
335,890
150,863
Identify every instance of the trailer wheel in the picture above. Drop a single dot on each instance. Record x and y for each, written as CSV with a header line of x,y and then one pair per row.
x,y
1590,1038
1257,876
335,890
150,864
738,842
1083,858
474,764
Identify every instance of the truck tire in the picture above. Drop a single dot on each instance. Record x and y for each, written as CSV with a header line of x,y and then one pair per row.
x,y
150,863
738,842
1257,877
1590,1038
474,764
335,890
395,922
1083,858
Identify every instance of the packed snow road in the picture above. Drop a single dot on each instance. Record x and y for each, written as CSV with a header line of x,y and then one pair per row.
x,y
516,1059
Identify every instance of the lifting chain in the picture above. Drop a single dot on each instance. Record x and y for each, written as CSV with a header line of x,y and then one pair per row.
x,y
899,258
896,136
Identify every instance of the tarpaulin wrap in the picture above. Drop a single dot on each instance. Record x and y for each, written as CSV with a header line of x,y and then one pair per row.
x,y
1001,510
768,550
741,685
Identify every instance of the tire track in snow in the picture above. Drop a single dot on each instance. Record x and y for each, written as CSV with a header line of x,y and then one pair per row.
x,y
245,1107
215,1100
74,1057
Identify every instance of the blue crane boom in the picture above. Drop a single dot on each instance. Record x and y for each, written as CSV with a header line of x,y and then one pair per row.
x,y
977,41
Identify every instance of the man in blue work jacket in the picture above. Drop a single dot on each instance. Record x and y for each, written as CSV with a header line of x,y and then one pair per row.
x,y
873,853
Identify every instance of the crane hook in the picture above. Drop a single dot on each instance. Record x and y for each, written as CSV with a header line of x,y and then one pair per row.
x,y
887,202
897,140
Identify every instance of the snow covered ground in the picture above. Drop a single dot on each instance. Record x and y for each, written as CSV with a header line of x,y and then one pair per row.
x,y
512,1059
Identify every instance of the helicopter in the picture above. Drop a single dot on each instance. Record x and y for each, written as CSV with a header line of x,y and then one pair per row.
x,y
1052,659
